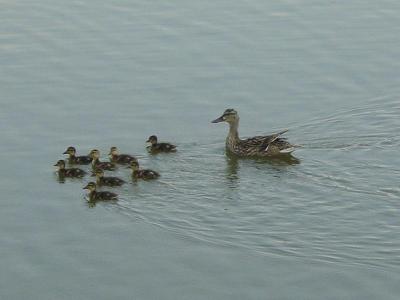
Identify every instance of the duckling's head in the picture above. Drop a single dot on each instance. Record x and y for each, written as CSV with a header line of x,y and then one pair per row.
x,y
134,165
60,164
70,150
94,154
113,151
152,140
91,186
98,173
230,116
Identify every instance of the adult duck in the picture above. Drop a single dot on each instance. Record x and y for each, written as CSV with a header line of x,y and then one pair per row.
x,y
258,146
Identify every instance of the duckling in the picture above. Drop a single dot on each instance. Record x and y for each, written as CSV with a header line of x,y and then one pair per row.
x,y
98,196
109,181
72,172
97,164
79,160
142,174
258,146
159,147
120,158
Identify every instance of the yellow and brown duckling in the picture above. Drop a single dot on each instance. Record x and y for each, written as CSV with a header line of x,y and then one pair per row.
x,y
108,181
155,146
120,158
97,164
79,160
258,146
142,174
99,196
71,172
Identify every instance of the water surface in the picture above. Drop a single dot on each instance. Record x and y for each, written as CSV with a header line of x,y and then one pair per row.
x,y
321,225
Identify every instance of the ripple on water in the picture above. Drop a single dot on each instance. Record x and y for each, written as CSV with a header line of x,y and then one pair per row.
x,y
332,203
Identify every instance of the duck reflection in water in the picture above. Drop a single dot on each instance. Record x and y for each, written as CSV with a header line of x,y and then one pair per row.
x,y
232,166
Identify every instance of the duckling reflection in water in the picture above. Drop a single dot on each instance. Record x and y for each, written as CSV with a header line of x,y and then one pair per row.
x,y
94,195
156,147
78,160
107,181
258,146
71,172
142,174
120,158
97,164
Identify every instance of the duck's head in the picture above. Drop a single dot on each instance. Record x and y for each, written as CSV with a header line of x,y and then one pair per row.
x,y
94,154
113,151
60,164
98,173
70,150
152,140
134,165
230,116
91,186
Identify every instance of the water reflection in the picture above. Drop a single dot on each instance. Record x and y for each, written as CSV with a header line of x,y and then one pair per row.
x,y
58,177
233,165
91,203
280,160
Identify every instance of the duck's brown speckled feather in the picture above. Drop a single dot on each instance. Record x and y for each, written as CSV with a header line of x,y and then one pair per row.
x,y
123,158
145,174
110,181
80,160
102,196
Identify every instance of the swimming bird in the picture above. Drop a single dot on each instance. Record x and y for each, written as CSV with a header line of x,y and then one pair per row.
x,y
79,160
120,158
155,146
71,172
142,174
258,146
109,181
98,196
97,164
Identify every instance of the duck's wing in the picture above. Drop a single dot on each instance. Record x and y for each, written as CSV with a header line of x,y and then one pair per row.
x,y
149,174
263,141
126,158
106,196
163,147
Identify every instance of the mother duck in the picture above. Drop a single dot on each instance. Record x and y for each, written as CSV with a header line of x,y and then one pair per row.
x,y
258,146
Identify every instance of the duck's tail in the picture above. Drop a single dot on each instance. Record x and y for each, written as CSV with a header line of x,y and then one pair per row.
x,y
290,149
276,136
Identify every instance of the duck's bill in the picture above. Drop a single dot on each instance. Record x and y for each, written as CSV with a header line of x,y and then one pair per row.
x,y
65,152
220,119
56,165
85,188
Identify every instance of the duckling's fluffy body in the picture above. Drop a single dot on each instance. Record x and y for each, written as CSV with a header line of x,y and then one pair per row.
x,y
107,181
155,146
70,172
77,160
94,195
97,164
258,146
104,165
144,173
120,158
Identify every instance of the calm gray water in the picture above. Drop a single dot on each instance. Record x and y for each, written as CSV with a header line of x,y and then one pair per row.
x,y
322,225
